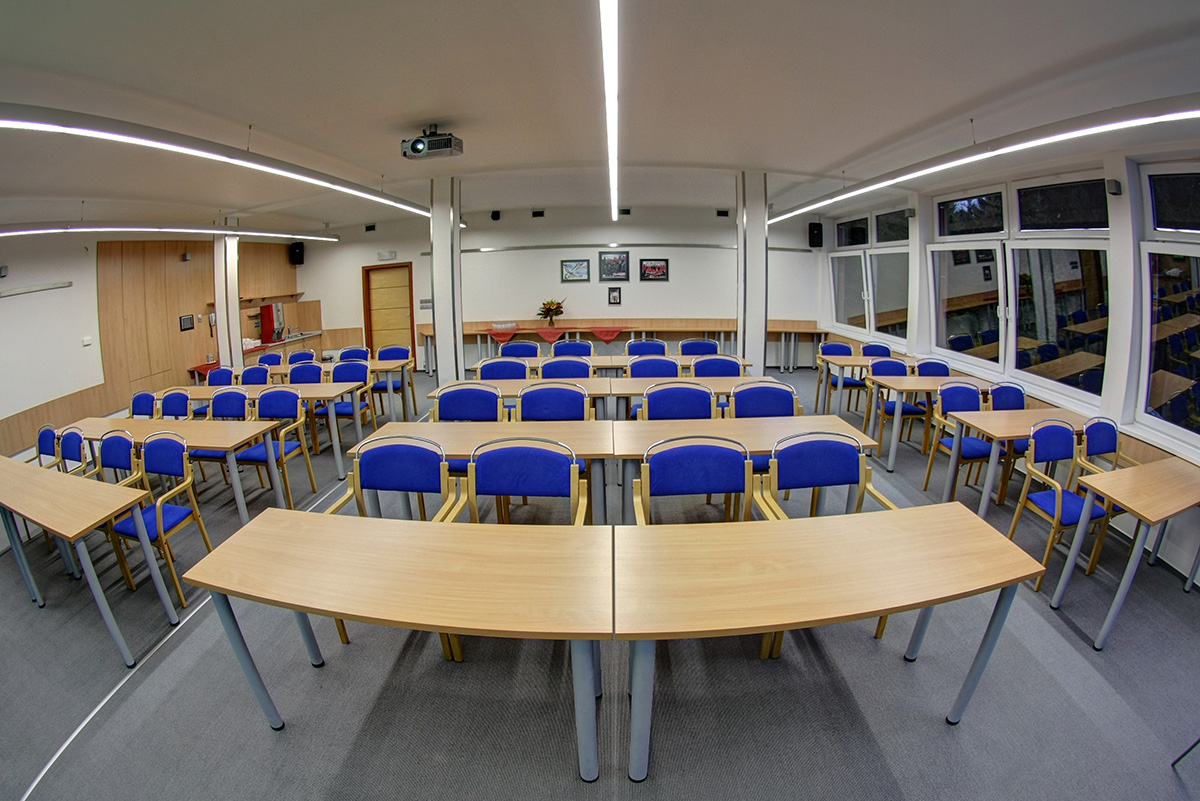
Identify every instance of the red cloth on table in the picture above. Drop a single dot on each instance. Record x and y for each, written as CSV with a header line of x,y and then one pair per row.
x,y
503,336
204,369
607,334
549,334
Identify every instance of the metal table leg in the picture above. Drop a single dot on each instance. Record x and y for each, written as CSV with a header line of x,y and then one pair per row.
x,y
273,471
249,669
310,639
160,587
989,480
336,441
1135,558
18,551
990,636
585,681
110,622
952,470
391,393
918,636
235,478
628,473
641,688
1081,527
599,492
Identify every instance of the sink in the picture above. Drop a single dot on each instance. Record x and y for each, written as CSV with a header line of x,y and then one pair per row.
x,y
300,335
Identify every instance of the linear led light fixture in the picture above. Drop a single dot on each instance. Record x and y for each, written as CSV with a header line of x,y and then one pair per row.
x,y
608,40
33,229
20,117
1004,146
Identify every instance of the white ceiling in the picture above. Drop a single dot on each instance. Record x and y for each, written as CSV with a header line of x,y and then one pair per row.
x,y
818,95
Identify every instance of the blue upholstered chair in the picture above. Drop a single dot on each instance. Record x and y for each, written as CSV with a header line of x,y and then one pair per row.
x,y
176,404
953,397
695,466
379,388
989,336
763,398
651,366
217,377
1048,352
678,400
72,458
525,466
144,405
876,350
282,404
521,349
572,347
553,400
256,375
565,367
357,372
887,407
309,372
717,365
355,353
698,347
228,403
301,356
644,347
467,401
961,342
271,359
851,383
45,449
503,367
115,451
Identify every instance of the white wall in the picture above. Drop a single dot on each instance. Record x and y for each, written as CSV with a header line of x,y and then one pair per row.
x,y
43,356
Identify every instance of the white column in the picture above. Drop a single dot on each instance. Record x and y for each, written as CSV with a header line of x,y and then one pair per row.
x,y
228,309
752,269
921,310
446,273
1126,307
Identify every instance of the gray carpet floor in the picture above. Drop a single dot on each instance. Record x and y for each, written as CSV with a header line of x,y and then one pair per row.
x,y
839,715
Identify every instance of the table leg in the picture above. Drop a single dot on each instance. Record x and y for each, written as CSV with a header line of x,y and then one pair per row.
x,y
641,688
235,478
628,473
583,676
989,479
870,416
64,553
310,639
336,441
599,499
110,622
990,636
1162,535
358,413
1191,579
1081,527
897,424
918,635
160,587
18,551
371,501
249,669
820,384
952,469
1135,558
273,472
392,395
406,512
841,394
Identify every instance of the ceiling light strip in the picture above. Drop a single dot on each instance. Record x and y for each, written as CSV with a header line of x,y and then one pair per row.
x,y
992,150
34,229
608,39
16,116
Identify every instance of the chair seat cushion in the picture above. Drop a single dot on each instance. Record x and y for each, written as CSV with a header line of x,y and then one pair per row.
x,y
972,447
906,410
258,453
172,516
761,462
1072,506
633,411
346,408
382,386
458,465
200,411
1019,446
204,453
851,383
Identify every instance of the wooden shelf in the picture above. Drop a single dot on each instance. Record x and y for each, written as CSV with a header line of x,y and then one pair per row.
x,y
253,303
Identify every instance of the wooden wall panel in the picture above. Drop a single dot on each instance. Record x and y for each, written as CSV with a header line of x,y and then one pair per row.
x,y
264,270
338,338
307,316
160,302
133,287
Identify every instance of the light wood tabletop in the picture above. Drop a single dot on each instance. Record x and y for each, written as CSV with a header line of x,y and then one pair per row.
x,y
323,391
631,438
1015,423
1165,385
991,351
1065,366
65,505
1090,327
856,360
721,385
1176,325
590,439
217,435
926,383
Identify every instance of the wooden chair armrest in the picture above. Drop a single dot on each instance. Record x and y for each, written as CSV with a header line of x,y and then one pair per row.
x,y
640,515
581,511
877,495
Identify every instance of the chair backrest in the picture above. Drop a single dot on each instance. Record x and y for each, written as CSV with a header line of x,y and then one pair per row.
x,y
698,347
888,367
70,448
642,347
571,347
694,466
220,377
836,349
524,466
401,463
229,403
115,451
1024,360
1005,396
47,443
1102,310
468,401
353,370
678,400
552,400
1051,440
1079,316
935,367
305,373
176,403
1175,343
256,375
763,399
503,367
565,367
989,335
1100,438
1166,313
389,352
716,365
354,353
876,349
144,404
961,342
301,356
271,359
521,349
959,397
1047,351
816,459
649,366
165,453
279,403
1092,381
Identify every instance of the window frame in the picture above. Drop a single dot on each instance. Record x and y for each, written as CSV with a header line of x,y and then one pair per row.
x,y
1141,417
1152,232
959,359
1014,203
991,189
875,333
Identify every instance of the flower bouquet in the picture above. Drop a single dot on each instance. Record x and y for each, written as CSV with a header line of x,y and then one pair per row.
x,y
551,309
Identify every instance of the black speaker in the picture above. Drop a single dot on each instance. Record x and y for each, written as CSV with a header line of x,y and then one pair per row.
x,y
816,235
296,253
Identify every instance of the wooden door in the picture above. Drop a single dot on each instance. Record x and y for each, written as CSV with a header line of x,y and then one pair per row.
x,y
388,305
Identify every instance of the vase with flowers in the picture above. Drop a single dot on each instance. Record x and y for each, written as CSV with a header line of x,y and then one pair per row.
x,y
551,309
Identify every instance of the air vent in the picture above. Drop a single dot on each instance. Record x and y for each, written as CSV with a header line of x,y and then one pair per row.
x,y
625,212
722,212
539,212
369,227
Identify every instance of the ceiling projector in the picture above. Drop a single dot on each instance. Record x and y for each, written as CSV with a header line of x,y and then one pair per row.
x,y
431,143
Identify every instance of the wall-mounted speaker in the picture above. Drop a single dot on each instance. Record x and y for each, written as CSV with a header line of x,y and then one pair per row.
x,y
296,253
495,215
816,235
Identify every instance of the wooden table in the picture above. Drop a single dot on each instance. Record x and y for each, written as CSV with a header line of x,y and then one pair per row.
x,y
511,387
625,389
1153,493
1001,426
530,582
1165,385
591,440
279,373
71,507
789,340
904,385
631,438
1176,325
229,436
616,362
1066,366
1090,327
825,365
991,351
724,579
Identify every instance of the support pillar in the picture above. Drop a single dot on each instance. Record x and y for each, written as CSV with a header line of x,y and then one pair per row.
x,y
752,269
228,308
446,274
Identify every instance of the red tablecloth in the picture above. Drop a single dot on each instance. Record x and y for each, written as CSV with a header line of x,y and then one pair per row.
x,y
549,334
503,336
204,369
607,334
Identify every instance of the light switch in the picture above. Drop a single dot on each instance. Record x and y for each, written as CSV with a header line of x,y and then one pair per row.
x,y
87,341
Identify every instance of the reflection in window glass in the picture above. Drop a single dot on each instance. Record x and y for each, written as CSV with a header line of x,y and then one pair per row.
x,y
981,214
848,304
852,232
891,226
1173,340
967,286
1078,205
1176,201
889,289
1062,315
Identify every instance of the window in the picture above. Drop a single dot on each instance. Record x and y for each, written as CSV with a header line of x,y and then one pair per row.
x,y
852,232
980,214
1175,201
1062,315
1056,207
967,298
889,292
891,226
1170,385
850,307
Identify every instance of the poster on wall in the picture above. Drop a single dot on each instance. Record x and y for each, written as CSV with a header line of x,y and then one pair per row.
x,y
653,269
614,296
614,265
576,269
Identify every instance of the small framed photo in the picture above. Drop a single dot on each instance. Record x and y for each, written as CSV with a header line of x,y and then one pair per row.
x,y
614,296
961,257
576,270
985,255
614,265
654,269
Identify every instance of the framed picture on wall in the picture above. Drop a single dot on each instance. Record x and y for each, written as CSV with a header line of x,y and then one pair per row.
x,y
985,255
614,296
614,265
576,269
653,270
961,257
